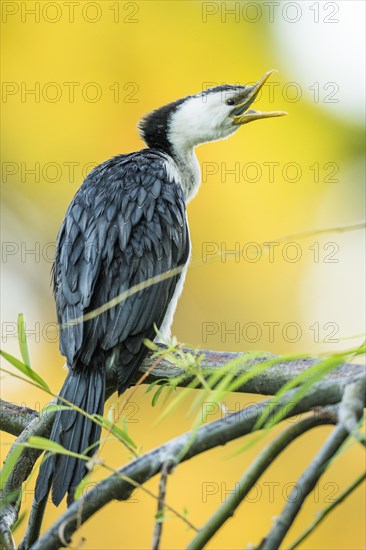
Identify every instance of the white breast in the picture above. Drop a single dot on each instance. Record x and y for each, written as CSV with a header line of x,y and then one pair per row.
x,y
165,328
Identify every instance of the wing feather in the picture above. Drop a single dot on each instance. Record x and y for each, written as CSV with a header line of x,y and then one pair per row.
x,y
126,224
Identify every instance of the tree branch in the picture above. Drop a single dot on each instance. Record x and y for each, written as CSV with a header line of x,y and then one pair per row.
x,y
41,425
140,470
267,382
9,495
320,516
308,480
13,418
327,391
255,471
117,486
351,409
8,518
34,523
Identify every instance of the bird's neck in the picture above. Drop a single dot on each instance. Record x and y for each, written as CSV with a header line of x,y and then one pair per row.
x,y
189,170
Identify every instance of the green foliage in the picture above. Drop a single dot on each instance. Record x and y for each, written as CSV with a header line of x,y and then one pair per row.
x,y
44,444
22,339
8,467
232,376
79,491
120,434
304,382
214,386
25,366
25,369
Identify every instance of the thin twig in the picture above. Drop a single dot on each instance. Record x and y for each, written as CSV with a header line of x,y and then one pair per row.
x,y
322,514
307,482
140,381
148,465
313,232
137,485
327,391
177,270
159,518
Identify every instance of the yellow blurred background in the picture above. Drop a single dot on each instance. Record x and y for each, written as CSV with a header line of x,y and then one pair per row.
x,y
77,76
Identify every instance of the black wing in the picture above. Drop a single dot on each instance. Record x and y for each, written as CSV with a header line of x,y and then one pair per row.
x,y
126,224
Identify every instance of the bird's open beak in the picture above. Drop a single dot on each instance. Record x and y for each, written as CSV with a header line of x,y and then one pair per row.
x,y
243,101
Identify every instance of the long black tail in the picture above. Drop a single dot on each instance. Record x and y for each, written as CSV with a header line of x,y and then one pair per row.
x,y
85,388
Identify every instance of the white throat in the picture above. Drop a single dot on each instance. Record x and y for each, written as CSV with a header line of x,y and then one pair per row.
x,y
189,171
198,120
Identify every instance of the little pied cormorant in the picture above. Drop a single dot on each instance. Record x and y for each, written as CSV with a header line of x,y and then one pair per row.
x,y
126,224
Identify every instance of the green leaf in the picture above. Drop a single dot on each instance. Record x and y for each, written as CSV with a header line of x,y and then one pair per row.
x,y
150,345
44,444
96,444
25,369
156,395
153,384
160,516
111,413
118,432
178,398
22,339
9,464
80,488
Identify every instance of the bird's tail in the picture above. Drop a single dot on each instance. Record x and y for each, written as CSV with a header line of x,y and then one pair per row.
x,y
85,388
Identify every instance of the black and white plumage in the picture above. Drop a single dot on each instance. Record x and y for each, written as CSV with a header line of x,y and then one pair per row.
x,y
126,224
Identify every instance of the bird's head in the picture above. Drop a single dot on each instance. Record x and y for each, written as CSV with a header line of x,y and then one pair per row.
x,y
211,115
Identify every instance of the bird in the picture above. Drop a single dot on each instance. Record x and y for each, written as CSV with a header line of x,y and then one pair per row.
x,y
126,225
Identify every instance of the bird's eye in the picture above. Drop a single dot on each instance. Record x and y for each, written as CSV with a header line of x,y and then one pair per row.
x,y
230,102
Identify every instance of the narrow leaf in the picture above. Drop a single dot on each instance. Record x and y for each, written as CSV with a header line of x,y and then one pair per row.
x,y
118,432
80,488
22,339
9,464
44,444
156,395
25,369
153,384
